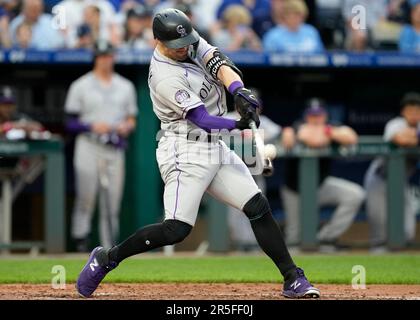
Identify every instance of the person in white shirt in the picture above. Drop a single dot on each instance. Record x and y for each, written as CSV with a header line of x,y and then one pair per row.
x,y
404,131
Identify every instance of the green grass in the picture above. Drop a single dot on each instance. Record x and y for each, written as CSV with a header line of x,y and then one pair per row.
x,y
389,269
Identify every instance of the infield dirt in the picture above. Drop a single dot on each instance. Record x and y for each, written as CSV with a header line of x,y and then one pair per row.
x,y
204,291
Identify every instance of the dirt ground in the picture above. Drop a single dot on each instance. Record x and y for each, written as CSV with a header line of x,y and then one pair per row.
x,y
205,291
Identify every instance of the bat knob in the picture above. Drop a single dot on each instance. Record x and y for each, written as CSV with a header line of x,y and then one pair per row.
x,y
268,169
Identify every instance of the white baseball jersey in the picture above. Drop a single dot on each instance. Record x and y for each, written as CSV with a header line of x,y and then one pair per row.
x,y
177,87
190,168
92,101
94,162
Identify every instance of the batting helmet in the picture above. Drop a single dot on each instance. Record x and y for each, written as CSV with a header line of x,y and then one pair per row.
x,y
174,29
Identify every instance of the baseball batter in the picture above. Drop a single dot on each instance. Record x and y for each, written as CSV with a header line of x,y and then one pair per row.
x,y
187,81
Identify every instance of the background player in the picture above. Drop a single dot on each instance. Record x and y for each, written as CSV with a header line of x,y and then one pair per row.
x,y
317,131
102,106
404,132
186,81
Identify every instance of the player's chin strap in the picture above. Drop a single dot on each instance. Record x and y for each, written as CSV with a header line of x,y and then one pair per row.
x,y
217,61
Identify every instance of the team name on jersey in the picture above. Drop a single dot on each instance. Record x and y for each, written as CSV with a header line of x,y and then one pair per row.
x,y
206,87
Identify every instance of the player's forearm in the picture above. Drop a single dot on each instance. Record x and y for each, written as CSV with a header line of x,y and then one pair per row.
x,y
231,80
342,135
288,138
200,117
407,138
312,137
75,126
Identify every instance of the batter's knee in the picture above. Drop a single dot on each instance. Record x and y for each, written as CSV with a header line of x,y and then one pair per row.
x,y
256,207
175,231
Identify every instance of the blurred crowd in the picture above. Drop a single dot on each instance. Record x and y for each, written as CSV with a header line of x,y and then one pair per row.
x,y
295,26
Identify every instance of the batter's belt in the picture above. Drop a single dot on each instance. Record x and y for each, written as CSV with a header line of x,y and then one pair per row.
x,y
195,136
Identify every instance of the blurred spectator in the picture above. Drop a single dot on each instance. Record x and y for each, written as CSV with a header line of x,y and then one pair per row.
x,y
347,196
91,29
234,32
399,11
102,108
202,13
11,8
116,4
4,30
44,36
75,15
125,5
188,11
277,8
23,36
330,23
293,35
8,10
85,37
403,131
138,29
260,10
359,36
410,35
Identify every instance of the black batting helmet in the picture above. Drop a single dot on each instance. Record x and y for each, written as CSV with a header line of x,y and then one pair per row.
x,y
174,29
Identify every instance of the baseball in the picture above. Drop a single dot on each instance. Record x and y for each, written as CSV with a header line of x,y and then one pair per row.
x,y
270,151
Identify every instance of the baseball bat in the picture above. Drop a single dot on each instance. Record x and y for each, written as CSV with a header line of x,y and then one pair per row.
x,y
263,163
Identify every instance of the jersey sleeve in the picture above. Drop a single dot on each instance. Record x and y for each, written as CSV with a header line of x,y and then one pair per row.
x,y
393,127
73,104
204,48
176,94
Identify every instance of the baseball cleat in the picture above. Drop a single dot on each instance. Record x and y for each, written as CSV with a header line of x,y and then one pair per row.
x,y
300,287
94,271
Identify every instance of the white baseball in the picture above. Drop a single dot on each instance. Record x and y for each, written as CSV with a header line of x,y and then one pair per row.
x,y
270,151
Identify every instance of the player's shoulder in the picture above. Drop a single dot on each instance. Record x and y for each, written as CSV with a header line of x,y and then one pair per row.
x,y
83,80
122,81
396,122
165,71
394,125
162,67
204,48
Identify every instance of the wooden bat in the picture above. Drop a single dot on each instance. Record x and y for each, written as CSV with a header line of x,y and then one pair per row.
x,y
263,164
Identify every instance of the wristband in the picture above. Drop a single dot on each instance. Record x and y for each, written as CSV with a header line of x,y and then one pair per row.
x,y
235,86
7,126
328,131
